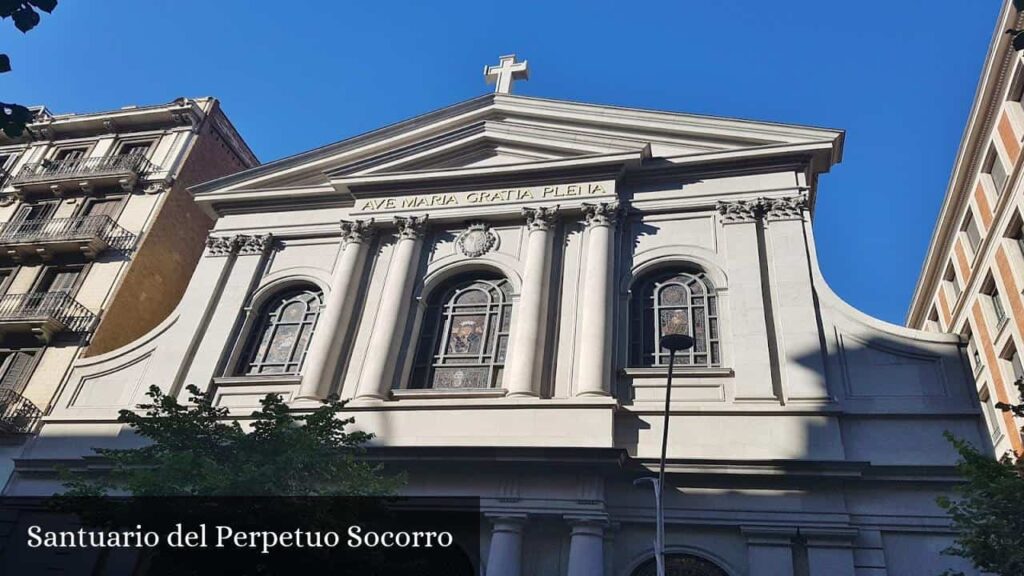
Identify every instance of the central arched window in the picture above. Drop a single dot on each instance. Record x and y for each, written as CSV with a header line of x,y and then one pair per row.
x,y
282,332
674,302
681,565
465,334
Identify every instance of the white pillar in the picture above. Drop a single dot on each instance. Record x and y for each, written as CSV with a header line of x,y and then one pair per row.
x,y
769,550
329,336
595,324
522,369
375,380
586,546
829,551
505,556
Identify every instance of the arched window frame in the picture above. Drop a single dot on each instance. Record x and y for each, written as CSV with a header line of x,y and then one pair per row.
x,y
699,308
266,323
435,356
677,561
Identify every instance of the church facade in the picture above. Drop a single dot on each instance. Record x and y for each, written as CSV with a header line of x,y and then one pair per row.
x,y
488,283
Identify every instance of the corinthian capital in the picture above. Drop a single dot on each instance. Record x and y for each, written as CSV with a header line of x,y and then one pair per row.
x,y
222,245
410,227
603,214
784,208
356,230
257,244
541,218
791,207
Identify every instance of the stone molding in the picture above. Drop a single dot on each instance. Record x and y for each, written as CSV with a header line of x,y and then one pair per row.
x,y
411,227
601,214
787,208
540,218
239,244
357,231
476,240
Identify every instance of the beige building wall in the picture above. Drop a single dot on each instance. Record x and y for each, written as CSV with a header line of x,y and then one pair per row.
x,y
128,289
972,280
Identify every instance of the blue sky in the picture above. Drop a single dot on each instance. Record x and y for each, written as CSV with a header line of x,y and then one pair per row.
x,y
897,75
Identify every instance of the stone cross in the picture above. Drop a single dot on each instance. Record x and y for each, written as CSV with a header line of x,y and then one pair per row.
x,y
505,72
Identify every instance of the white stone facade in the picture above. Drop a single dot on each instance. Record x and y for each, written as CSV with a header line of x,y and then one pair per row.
x,y
809,442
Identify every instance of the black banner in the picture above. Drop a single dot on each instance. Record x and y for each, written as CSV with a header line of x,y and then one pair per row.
x,y
184,536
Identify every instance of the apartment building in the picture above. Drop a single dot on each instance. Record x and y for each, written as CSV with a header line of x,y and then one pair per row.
x,y
973,275
98,235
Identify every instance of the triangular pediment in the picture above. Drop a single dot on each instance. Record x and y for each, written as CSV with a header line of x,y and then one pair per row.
x,y
505,130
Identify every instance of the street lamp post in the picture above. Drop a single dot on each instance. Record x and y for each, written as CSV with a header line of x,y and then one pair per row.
x,y
673,343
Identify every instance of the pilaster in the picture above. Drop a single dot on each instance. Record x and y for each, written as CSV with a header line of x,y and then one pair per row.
x,y
248,254
769,550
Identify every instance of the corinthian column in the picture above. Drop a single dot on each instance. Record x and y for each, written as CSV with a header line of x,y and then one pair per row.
x,y
375,380
594,326
521,377
329,336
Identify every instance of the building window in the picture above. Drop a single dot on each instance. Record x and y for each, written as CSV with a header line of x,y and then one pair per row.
x,y
931,324
680,565
135,148
972,351
991,413
674,302
952,284
996,170
971,233
69,154
282,332
59,279
465,333
995,301
15,368
1014,363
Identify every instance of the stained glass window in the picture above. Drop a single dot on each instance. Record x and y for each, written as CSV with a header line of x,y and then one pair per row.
x,y
681,565
465,335
282,332
675,303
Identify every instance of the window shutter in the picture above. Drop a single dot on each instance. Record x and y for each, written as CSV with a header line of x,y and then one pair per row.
x,y
104,208
16,374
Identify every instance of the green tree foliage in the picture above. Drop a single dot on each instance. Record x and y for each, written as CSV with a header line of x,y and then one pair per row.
x,y
14,117
988,508
197,450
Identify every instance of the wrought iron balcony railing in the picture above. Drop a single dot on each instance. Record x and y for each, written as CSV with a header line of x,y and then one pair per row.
x,y
18,415
45,313
50,170
91,234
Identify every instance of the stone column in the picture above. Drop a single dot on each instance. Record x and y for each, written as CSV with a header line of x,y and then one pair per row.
x,y
586,546
329,336
829,551
522,368
375,380
592,379
505,556
769,550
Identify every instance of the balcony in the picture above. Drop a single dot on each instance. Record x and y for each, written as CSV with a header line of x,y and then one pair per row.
x,y
89,235
59,176
18,415
43,314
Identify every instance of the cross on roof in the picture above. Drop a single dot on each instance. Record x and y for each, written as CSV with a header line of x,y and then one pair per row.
x,y
505,72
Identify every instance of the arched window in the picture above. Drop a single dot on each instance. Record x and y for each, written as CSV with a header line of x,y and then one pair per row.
x,y
282,332
465,334
674,302
681,565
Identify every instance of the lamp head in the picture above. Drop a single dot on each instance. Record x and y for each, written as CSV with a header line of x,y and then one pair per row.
x,y
676,342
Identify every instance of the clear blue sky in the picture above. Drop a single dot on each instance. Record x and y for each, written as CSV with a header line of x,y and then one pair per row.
x,y
898,75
